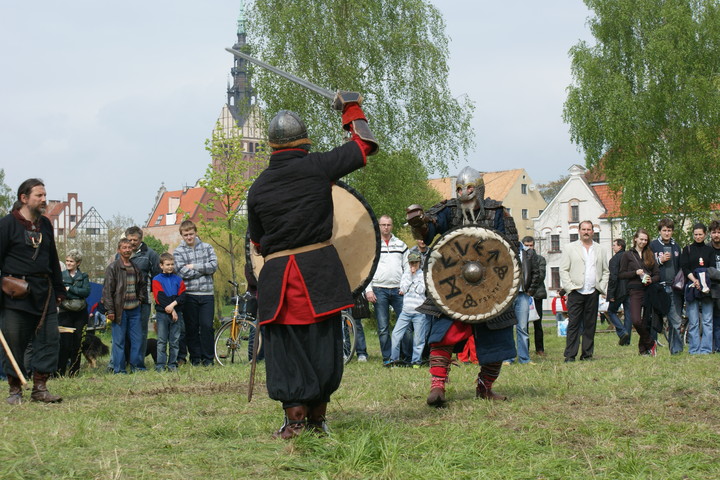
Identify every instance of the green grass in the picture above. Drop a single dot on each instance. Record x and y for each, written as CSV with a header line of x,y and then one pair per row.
x,y
621,416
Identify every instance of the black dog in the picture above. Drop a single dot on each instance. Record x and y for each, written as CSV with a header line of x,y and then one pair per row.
x,y
93,348
152,349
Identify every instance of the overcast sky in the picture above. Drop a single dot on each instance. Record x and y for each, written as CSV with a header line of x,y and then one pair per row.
x,y
109,100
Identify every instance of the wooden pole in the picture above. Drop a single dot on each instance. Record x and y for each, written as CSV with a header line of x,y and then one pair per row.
x,y
12,360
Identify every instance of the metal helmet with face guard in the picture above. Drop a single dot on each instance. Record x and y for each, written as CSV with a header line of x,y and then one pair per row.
x,y
470,185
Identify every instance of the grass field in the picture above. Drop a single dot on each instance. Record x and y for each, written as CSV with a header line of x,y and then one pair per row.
x,y
621,416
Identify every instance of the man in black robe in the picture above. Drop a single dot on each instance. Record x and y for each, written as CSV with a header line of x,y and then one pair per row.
x,y
27,252
303,287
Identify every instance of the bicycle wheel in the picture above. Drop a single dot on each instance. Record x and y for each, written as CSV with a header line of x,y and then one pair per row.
x,y
235,350
348,328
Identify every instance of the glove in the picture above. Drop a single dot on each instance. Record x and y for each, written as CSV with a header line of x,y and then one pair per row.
x,y
416,218
344,98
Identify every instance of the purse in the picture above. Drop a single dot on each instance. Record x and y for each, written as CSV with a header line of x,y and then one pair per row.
x,y
678,283
361,309
15,288
73,304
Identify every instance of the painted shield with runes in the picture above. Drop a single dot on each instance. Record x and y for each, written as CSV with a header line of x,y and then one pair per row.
x,y
472,274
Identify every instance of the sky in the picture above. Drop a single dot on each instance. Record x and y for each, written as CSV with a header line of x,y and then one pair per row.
x,y
112,100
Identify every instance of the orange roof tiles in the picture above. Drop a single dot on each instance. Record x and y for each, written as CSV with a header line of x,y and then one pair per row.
x,y
610,200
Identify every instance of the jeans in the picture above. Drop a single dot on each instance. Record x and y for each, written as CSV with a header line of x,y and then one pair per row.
x,y
386,297
522,313
700,344
168,338
420,324
674,320
620,328
716,327
129,327
199,313
360,344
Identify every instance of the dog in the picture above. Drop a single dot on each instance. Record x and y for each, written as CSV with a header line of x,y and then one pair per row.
x,y
93,348
152,349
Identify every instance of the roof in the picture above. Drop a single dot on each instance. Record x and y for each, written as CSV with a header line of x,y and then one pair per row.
x,y
610,200
498,184
189,198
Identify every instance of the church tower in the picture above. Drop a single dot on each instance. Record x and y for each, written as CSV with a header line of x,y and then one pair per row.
x,y
239,92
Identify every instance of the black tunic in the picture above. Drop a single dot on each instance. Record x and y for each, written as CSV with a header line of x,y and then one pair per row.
x,y
289,206
16,258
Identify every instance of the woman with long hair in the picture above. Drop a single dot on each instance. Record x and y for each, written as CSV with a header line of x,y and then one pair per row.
x,y
639,268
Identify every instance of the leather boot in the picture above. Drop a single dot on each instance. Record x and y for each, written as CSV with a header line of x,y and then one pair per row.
x,y
316,419
40,392
436,398
483,391
15,392
295,421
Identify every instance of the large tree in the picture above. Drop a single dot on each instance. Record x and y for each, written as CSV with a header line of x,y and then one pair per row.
x,y
644,104
395,53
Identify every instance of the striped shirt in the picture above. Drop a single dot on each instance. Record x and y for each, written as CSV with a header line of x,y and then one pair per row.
x,y
131,298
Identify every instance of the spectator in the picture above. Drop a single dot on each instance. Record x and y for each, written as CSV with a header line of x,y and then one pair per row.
x,y
196,263
617,295
538,297
528,287
667,255
412,288
124,290
584,275
698,255
384,289
73,313
29,317
715,287
169,293
360,310
639,268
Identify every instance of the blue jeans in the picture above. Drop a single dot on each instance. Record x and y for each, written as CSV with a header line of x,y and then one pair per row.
x,y
129,327
168,338
674,320
522,313
360,344
198,314
620,328
386,297
700,344
420,324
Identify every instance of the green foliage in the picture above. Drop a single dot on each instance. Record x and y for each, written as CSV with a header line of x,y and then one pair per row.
x,y
155,244
6,195
227,180
550,189
645,106
394,53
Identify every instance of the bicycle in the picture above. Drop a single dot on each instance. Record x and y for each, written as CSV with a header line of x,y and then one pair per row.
x,y
234,339
349,337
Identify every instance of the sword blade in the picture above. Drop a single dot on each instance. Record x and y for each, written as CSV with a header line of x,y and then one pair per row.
x,y
300,81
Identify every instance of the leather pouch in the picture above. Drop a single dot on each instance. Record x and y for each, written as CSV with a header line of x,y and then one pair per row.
x,y
15,288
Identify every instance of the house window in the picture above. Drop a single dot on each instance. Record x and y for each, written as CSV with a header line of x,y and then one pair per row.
x,y
73,218
523,188
159,219
555,243
555,277
61,231
574,213
596,237
92,231
573,237
524,214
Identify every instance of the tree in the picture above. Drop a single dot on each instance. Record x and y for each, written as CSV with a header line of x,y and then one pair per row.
x,y
227,180
550,190
394,53
644,105
156,244
6,196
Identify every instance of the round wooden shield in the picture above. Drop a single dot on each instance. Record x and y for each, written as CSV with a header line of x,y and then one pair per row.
x,y
356,237
472,274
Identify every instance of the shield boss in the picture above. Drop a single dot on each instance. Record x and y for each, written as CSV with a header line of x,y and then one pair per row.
x,y
473,274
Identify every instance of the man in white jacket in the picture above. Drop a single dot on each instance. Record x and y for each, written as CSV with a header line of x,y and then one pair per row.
x,y
384,289
584,275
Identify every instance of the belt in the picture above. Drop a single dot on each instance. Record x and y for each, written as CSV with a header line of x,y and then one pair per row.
x,y
295,251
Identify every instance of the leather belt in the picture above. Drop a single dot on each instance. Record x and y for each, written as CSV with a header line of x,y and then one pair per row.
x,y
295,251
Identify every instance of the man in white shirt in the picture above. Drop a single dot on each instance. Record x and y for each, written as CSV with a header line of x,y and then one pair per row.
x,y
584,275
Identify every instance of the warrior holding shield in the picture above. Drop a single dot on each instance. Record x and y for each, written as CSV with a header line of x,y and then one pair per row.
x,y
302,286
472,277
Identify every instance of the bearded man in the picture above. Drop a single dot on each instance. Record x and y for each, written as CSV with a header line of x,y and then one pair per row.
x,y
494,338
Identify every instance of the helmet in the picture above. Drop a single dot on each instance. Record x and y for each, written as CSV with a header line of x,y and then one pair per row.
x,y
286,129
469,177
414,257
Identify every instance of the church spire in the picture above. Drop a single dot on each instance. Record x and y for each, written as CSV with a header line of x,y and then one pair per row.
x,y
239,92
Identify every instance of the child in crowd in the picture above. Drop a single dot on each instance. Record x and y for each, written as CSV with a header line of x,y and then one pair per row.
x,y
412,287
169,292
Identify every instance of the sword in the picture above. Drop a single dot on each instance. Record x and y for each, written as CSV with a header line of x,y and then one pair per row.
x,y
300,81
253,364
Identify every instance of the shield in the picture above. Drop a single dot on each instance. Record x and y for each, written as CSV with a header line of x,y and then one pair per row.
x,y
472,274
356,237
